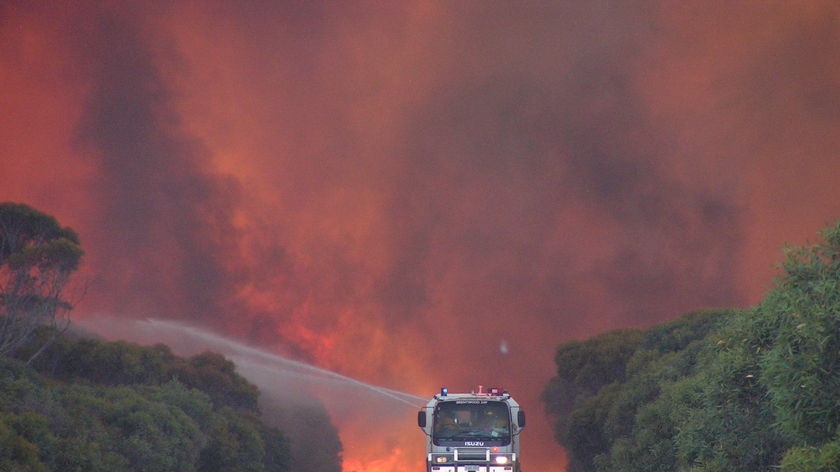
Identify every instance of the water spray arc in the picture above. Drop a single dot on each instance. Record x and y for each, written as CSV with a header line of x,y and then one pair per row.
x,y
282,365
297,388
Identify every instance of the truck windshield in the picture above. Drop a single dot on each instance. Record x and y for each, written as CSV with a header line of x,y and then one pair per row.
x,y
471,421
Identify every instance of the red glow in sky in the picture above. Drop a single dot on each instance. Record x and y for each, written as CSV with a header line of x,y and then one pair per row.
x,y
416,193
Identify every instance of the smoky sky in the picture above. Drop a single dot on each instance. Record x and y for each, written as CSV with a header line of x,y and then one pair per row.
x,y
167,220
419,193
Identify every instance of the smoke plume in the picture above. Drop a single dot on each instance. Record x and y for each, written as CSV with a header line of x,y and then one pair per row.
x,y
416,194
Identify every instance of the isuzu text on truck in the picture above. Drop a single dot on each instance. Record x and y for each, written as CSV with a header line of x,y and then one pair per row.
x,y
472,432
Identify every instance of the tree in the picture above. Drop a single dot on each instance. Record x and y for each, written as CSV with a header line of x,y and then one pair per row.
x,y
235,444
215,375
37,257
754,389
584,369
611,397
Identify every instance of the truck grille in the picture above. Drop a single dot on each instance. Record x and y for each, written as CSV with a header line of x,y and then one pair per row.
x,y
472,454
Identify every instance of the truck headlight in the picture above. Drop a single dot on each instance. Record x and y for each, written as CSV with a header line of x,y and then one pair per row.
x,y
501,460
441,459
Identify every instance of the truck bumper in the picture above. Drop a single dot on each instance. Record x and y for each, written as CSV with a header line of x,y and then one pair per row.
x,y
472,468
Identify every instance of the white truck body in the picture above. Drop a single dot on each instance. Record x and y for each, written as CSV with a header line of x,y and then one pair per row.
x,y
472,432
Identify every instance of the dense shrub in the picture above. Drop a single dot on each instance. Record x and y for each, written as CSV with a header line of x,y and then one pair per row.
x,y
722,390
119,407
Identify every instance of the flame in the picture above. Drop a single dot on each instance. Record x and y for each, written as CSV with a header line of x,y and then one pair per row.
x,y
393,460
415,194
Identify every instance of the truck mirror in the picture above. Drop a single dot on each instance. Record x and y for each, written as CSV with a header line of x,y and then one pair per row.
x,y
520,418
421,419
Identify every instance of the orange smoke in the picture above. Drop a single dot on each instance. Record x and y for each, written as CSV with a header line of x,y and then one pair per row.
x,y
419,195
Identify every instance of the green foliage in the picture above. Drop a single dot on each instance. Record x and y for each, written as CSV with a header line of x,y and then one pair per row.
x,y
111,363
37,257
583,369
122,407
124,363
216,376
624,418
152,435
20,438
753,390
235,444
731,428
594,363
22,229
98,406
802,366
125,428
825,458
194,403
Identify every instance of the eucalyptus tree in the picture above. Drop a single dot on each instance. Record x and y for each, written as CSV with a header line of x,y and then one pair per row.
x,y
37,258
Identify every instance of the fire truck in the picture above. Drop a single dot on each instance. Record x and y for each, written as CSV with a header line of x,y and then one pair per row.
x,y
472,432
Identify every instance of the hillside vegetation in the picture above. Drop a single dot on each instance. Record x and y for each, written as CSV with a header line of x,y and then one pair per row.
x,y
75,404
86,405
719,390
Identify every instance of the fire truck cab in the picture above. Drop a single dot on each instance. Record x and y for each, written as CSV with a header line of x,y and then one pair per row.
x,y
472,432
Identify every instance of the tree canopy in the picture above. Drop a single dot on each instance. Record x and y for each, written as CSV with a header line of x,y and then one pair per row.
x,y
37,257
86,405
718,390
74,403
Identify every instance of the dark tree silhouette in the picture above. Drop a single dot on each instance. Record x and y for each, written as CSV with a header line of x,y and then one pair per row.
x,y
37,257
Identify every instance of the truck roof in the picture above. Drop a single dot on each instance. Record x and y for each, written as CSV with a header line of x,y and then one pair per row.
x,y
491,394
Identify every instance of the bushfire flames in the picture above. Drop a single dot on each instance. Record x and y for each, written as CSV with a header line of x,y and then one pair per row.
x,y
415,194
374,420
